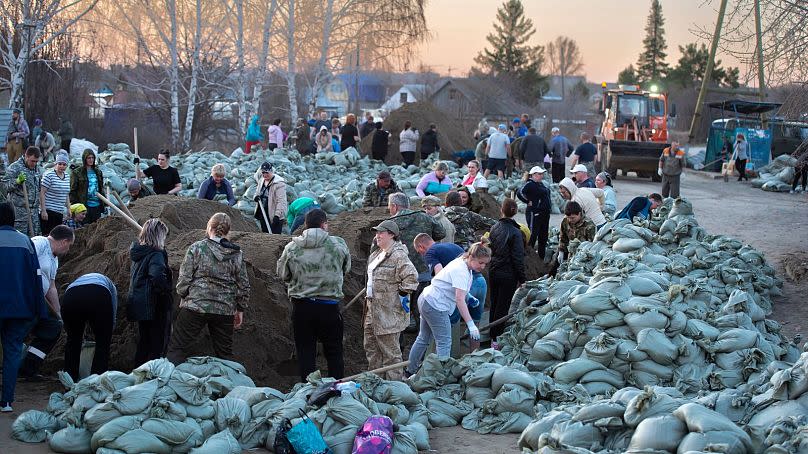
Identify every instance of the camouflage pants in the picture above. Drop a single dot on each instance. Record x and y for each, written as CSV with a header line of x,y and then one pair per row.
x,y
383,350
21,220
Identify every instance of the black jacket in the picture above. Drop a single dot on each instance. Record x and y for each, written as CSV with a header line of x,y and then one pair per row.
x,y
534,148
380,143
150,288
429,142
538,195
508,250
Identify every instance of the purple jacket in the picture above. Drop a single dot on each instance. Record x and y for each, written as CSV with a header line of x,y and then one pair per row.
x,y
430,178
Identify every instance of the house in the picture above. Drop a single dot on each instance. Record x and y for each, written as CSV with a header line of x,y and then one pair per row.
x,y
407,93
345,92
469,100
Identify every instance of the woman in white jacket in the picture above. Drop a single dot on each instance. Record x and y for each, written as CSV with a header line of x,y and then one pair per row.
x,y
408,139
586,197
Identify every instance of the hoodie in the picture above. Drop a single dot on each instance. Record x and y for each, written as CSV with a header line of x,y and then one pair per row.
x,y
588,199
150,285
254,130
272,196
213,278
313,266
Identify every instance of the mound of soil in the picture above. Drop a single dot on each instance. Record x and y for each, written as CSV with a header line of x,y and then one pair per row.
x,y
451,137
795,266
182,213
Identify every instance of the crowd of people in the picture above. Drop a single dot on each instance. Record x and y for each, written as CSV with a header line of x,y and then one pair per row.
x,y
424,272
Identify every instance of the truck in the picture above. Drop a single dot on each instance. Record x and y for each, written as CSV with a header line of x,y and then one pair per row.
x,y
634,130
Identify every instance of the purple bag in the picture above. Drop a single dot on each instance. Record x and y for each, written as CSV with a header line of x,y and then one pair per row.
x,y
375,436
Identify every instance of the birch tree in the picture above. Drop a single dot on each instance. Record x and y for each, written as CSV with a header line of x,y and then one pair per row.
x,y
263,57
291,72
26,26
192,89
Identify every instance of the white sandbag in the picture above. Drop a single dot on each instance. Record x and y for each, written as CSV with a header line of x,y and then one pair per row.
x,y
628,244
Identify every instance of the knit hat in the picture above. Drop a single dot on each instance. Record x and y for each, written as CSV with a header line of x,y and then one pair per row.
x,y
133,184
266,167
77,208
61,157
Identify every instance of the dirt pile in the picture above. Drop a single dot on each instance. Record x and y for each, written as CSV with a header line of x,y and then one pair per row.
x,y
183,213
451,137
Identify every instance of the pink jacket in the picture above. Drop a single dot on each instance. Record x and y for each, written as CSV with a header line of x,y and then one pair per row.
x,y
275,135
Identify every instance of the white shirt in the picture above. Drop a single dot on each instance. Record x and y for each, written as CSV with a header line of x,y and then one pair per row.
x,y
371,267
440,294
497,144
478,182
48,262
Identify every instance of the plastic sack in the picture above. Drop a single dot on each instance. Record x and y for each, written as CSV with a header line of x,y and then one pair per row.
x,y
134,399
701,419
191,389
33,426
374,437
221,443
157,369
71,440
232,414
419,433
138,441
661,433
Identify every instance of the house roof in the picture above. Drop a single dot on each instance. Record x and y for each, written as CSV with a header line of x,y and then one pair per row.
x,y
745,107
490,98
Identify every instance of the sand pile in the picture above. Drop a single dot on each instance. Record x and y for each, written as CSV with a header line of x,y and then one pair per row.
x,y
451,137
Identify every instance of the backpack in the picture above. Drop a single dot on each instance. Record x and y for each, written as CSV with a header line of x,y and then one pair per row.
x,y
375,436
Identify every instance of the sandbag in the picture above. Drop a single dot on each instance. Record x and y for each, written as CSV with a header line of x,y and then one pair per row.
x,y
341,441
662,433
157,369
221,443
485,423
577,433
530,435
477,395
139,441
418,433
735,339
592,302
657,345
191,389
601,349
511,375
170,432
445,412
727,442
647,404
640,321
701,419
641,286
113,429
33,426
232,414
628,244
571,371
347,410
134,399
514,398
404,443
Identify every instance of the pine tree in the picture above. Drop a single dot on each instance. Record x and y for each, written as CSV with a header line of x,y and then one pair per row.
x,y
510,54
651,66
627,76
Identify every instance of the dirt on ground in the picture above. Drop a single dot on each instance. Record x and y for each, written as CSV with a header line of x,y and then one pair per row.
x,y
773,223
451,137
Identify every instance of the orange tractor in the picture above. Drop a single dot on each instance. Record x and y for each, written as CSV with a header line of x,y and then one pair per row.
x,y
634,130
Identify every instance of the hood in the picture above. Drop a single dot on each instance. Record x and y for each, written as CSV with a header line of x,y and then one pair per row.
x,y
254,119
84,154
311,238
223,249
399,246
140,251
570,185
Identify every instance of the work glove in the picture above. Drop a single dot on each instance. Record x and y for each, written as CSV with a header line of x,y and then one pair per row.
x,y
21,178
474,332
276,220
136,160
256,198
659,171
405,303
472,301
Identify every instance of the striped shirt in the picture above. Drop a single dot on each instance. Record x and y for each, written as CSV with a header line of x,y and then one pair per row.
x,y
56,190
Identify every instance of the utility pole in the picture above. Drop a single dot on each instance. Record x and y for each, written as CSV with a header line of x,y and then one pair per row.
x,y
708,73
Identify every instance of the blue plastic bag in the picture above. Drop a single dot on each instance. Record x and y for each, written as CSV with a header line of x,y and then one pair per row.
x,y
305,438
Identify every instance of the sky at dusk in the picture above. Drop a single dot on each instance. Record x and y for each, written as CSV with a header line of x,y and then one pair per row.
x,y
609,32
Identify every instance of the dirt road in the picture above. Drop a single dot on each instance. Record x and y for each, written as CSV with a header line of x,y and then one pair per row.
x,y
773,223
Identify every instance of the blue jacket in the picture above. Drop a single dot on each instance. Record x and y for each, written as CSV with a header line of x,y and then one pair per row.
x,y
639,206
22,296
254,130
207,190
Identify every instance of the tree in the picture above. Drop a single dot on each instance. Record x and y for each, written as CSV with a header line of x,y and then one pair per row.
x,y
511,55
651,66
628,76
26,27
565,59
693,64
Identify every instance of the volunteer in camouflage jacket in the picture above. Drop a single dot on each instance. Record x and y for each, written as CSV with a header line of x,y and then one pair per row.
x,y
313,266
411,223
376,195
27,168
467,223
393,276
582,230
214,291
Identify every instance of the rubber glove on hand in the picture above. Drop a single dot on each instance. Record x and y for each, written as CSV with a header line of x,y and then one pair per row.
x,y
659,171
472,301
474,332
405,303
21,178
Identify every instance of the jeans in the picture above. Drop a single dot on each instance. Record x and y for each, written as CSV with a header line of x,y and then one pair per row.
x,y
434,325
479,290
45,333
314,322
187,327
87,304
12,333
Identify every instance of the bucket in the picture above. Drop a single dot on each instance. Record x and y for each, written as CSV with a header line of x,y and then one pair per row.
x,y
86,359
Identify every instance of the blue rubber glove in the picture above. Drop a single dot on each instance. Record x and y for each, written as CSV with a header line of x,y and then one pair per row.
x,y
405,303
472,301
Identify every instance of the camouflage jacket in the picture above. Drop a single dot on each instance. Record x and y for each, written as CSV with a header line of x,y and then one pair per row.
x,y
447,225
393,276
467,224
377,197
411,223
313,265
14,192
584,230
213,278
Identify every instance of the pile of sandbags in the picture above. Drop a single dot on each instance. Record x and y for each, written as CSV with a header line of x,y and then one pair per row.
x,y
778,175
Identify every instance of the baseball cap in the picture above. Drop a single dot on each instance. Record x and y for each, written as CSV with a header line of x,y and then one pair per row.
x,y
537,169
266,167
502,127
579,168
388,226
516,120
555,130
431,200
